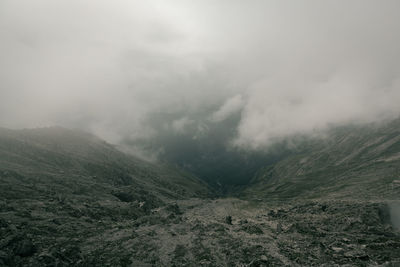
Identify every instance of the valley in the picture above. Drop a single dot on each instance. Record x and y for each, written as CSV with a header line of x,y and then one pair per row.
x,y
67,198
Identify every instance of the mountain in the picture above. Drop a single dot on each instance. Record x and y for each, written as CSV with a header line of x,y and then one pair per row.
x,y
67,198
72,161
361,162
58,186
204,149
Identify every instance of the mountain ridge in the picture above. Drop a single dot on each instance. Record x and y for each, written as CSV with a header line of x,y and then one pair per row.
x,y
57,149
367,157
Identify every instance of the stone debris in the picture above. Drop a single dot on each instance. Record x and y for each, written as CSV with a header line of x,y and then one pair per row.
x,y
228,220
191,231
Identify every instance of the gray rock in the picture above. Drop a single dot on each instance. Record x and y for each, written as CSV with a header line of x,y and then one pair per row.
x,y
228,220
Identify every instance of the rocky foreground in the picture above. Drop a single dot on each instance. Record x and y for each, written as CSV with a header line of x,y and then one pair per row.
x,y
197,232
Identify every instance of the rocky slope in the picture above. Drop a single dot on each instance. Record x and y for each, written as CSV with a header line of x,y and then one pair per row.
x,y
75,160
59,187
232,232
360,162
70,199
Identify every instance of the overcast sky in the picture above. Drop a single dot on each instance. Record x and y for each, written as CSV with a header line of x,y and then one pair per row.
x,y
284,67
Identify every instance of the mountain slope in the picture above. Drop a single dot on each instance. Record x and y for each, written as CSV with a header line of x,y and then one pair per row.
x,y
60,188
351,162
77,156
68,198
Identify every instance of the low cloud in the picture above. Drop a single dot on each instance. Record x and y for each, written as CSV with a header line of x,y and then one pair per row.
x,y
274,113
179,126
283,68
230,107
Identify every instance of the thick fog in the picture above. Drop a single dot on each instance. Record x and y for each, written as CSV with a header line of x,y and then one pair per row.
x,y
133,70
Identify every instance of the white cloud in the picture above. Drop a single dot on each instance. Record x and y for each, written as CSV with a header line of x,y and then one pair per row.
x,y
293,68
231,106
179,126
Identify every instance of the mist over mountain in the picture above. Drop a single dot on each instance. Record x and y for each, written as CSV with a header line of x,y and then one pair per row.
x,y
205,149
287,69
199,133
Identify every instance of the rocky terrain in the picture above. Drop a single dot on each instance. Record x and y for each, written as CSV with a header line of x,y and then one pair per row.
x,y
361,162
198,232
69,199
